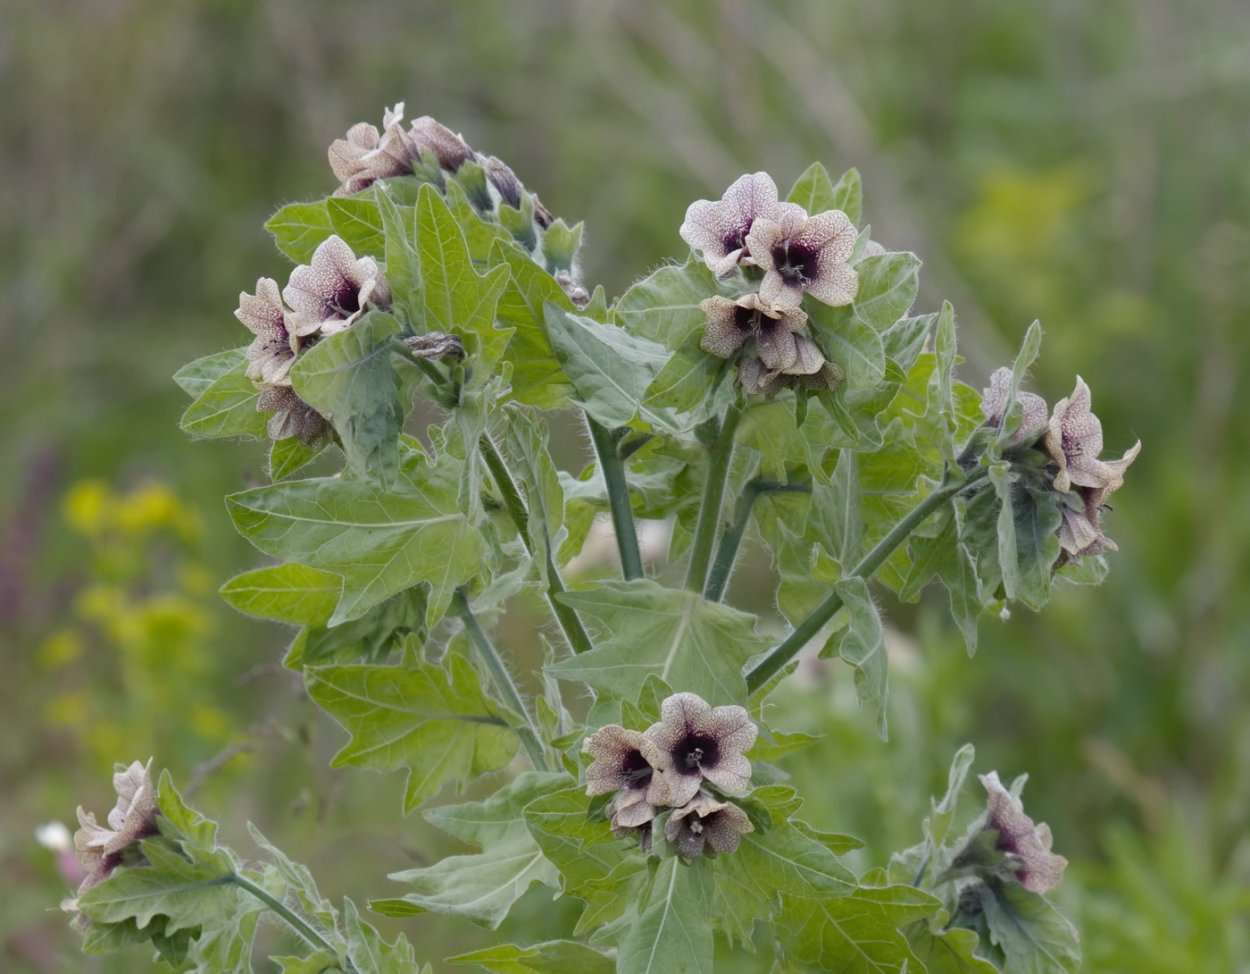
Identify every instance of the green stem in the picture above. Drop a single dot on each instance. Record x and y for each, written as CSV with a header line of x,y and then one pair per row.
x,y
713,495
502,680
297,924
731,539
613,468
789,647
570,623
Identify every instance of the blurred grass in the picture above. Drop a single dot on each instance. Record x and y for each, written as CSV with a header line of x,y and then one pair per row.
x,y
1080,163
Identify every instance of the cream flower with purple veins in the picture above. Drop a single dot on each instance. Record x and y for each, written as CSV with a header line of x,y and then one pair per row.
x,y
328,294
705,826
1034,412
291,416
365,155
719,228
1080,531
730,324
802,254
1074,440
273,351
624,760
99,849
696,741
450,149
1025,845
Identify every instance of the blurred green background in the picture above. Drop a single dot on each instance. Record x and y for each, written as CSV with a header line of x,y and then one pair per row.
x,y
1085,164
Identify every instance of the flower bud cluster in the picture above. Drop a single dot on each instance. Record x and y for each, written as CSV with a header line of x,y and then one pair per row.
x,y
430,149
324,297
671,765
790,254
1071,439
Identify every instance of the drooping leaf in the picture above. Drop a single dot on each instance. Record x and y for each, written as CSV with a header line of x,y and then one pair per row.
x,y
554,955
940,409
669,933
645,629
226,408
858,933
944,555
380,540
1032,935
438,725
194,377
349,377
862,644
609,368
290,593
369,639
482,887
299,227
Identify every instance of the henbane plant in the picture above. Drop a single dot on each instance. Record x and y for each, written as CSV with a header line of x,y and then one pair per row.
x,y
775,383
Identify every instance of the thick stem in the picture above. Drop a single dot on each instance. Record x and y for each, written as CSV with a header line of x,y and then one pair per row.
x,y
613,468
514,503
502,679
731,539
789,647
713,495
305,932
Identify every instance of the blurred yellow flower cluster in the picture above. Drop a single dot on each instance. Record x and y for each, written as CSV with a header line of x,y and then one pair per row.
x,y
139,625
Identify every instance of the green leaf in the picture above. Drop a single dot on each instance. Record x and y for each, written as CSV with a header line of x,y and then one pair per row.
x,y
1032,935
554,955
537,379
941,401
610,369
438,725
350,378
1019,369
291,593
646,629
670,934
904,340
946,951
887,288
195,377
369,639
356,219
1037,516
850,343
454,298
816,192
944,555
299,880
525,443
862,645
664,307
482,887
289,455
856,934
370,954
299,227
226,408
381,540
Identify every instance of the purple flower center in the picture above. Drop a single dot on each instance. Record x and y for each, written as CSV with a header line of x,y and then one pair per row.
x,y
636,771
796,263
346,300
694,752
736,239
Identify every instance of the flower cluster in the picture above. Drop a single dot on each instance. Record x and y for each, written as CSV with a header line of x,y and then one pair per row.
x,y
790,254
1071,438
670,765
100,850
322,298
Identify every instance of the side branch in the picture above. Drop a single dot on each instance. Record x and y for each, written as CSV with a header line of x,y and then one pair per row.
x,y
613,468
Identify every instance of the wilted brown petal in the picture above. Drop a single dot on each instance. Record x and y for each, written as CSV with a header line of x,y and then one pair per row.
x,y
365,156
133,818
291,416
1080,531
450,149
1027,845
435,346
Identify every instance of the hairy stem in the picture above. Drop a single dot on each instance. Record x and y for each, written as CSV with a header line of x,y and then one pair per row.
x,y
789,647
301,928
502,679
713,495
613,468
731,538
570,623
